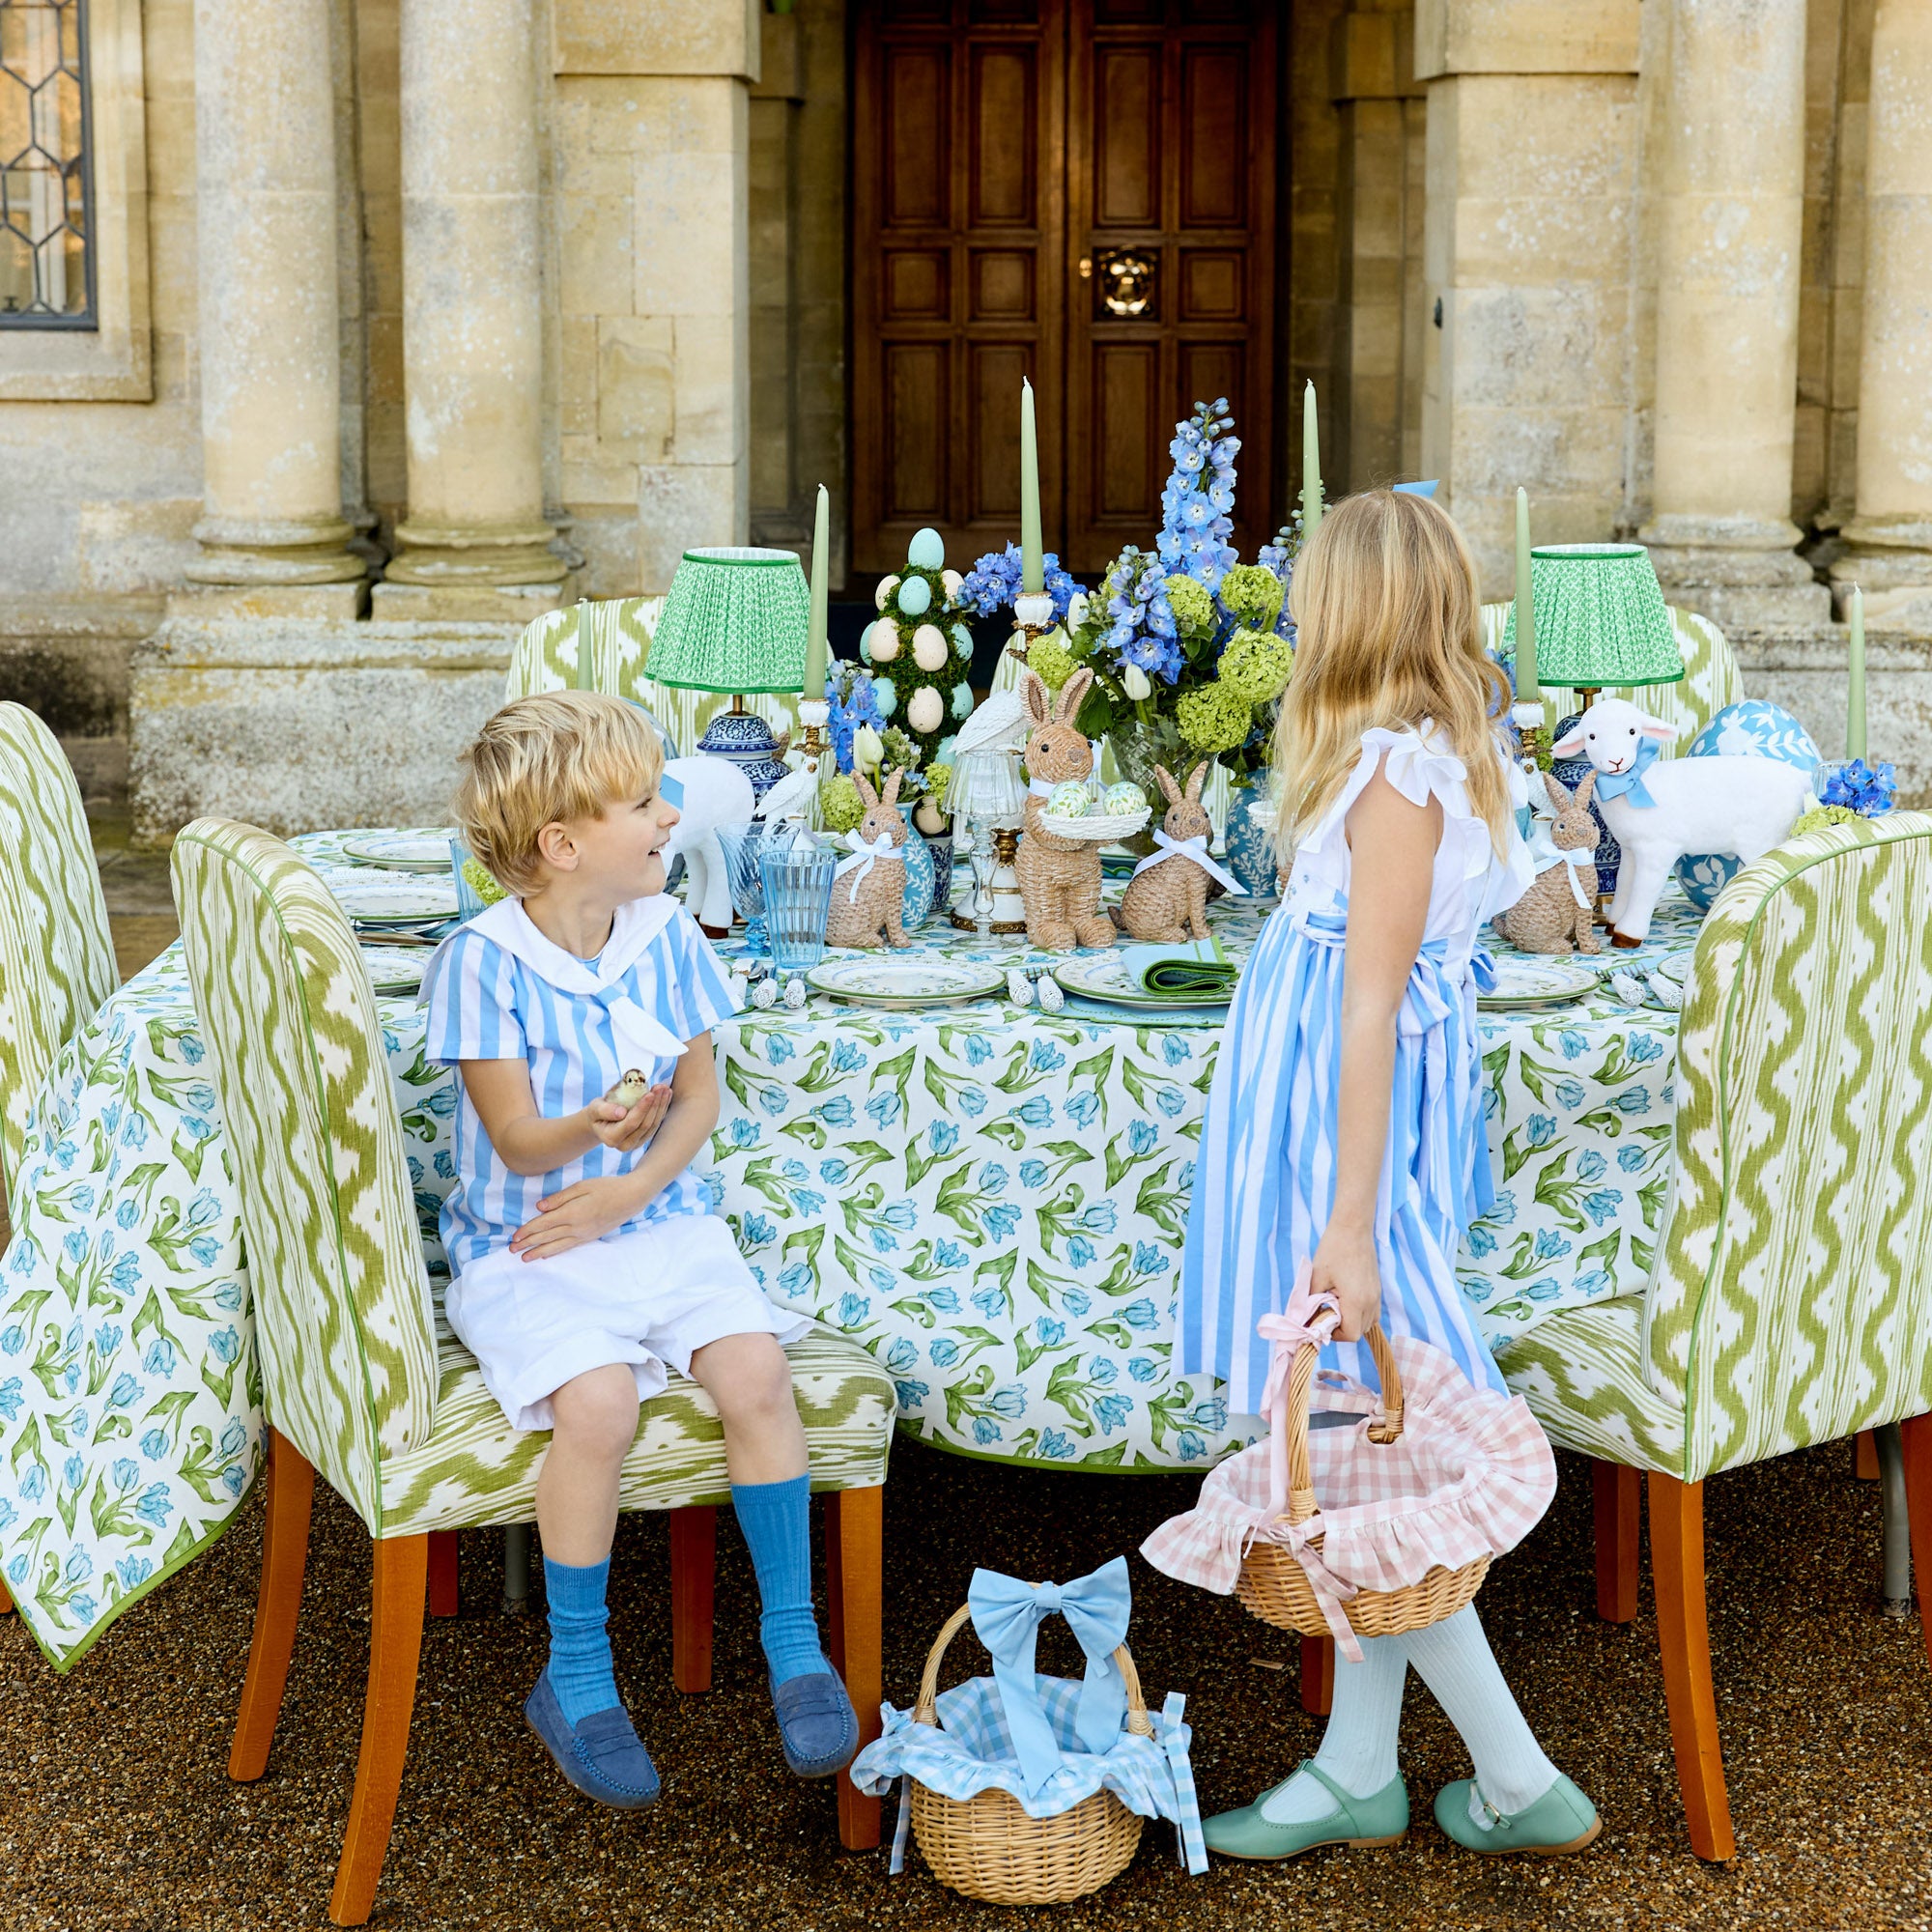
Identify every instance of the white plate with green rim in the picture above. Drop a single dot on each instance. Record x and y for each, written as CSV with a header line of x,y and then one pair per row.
x,y
908,983
391,898
1104,976
395,968
1522,983
1677,967
426,851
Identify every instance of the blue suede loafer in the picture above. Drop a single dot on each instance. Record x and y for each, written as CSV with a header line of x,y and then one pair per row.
x,y
817,1725
603,1755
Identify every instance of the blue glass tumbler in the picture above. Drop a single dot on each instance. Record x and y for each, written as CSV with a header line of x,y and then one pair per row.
x,y
742,846
797,902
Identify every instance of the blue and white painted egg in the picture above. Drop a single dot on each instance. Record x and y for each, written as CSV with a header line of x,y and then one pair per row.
x,y
926,550
1753,727
915,596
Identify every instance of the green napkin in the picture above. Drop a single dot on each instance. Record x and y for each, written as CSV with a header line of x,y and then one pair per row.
x,y
1197,970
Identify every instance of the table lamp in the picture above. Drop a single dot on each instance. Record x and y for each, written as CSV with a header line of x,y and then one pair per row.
x,y
1601,621
988,799
736,620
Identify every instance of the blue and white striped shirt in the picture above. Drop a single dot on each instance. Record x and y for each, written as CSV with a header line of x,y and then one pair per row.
x,y
485,1002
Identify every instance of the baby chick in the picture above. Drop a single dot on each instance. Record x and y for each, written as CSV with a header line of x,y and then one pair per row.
x,y
630,1089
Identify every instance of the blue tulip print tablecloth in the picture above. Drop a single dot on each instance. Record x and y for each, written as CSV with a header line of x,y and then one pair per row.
x,y
989,1198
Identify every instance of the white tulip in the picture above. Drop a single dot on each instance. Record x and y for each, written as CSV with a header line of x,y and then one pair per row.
x,y
1077,609
1133,681
869,749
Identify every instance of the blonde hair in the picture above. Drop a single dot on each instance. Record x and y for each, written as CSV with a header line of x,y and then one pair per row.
x,y
1389,632
559,756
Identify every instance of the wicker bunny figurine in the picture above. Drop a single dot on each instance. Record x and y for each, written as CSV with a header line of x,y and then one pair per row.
x,y
868,888
1060,878
1555,915
1167,896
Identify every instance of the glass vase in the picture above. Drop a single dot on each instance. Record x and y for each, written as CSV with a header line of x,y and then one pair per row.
x,y
1138,746
797,902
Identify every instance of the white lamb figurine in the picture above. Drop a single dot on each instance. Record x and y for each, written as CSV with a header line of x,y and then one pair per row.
x,y
1659,812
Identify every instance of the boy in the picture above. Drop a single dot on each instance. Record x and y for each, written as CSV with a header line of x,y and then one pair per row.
x,y
583,1254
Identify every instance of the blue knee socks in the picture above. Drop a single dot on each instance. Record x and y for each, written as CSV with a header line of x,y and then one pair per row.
x,y
775,1518
580,1648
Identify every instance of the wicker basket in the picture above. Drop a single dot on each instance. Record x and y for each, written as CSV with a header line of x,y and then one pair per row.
x,y
1276,1588
1096,827
988,1848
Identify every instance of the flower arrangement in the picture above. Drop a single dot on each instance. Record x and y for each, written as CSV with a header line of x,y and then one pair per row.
x,y
1852,790
994,581
918,661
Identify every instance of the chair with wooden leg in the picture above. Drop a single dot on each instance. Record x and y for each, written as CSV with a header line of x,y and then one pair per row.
x,y
357,1383
1790,1302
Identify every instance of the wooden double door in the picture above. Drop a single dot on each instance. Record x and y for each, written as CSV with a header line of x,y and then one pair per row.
x,y
1079,193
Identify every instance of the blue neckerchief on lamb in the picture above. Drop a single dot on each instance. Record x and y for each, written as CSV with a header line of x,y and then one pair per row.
x,y
1615,784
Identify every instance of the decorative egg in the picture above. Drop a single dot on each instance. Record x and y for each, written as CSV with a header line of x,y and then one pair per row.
x,y
1753,727
915,596
962,701
1119,800
1070,800
929,648
951,580
925,711
926,550
884,638
883,595
962,641
885,696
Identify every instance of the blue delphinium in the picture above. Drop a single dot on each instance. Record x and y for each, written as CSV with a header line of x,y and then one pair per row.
x,y
994,581
1197,505
1142,629
1279,557
853,702
1869,790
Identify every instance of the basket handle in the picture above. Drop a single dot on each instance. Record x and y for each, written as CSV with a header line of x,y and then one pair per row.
x,y
1292,1477
926,1710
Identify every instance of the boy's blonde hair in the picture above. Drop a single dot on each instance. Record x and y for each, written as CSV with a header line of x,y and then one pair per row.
x,y
560,754
1389,632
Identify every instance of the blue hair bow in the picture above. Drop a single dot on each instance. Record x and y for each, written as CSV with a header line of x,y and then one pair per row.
x,y
1007,1615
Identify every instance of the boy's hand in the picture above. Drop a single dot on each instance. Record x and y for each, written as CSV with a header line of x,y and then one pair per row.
x,y
627,1130
586,1210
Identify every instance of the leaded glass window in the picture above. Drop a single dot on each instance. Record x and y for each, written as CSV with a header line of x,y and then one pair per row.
x,y
46,266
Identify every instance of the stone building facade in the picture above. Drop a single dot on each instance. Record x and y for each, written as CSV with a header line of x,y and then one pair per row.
x,y
340,337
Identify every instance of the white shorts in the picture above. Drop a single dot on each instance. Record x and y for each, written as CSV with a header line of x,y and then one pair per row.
x,y
650,1298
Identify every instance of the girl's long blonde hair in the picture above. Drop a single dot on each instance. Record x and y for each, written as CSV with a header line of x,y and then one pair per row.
x,y
1389,632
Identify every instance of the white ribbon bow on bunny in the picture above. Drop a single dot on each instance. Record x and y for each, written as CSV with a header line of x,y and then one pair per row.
x,y
1544,852
1196,849
865,854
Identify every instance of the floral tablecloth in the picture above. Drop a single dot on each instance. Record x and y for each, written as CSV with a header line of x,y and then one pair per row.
x,y
989,1198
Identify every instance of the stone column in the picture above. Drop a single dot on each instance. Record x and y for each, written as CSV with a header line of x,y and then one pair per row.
x,y
473,320
1890,537
270,348
1730,229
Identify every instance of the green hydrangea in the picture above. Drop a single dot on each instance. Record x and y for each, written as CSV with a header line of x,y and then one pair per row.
x,y
938,780
1050,658
481,883
1257,663
1192,606
1215,717
1252,595
840,805
1822,815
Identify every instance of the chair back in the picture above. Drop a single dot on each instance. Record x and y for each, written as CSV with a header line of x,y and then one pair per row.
x,y
342,1308
611,639
56,956
1791,1299
1711,677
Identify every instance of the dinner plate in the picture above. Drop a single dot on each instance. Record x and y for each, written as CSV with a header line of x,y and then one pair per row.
x,y
1537,983
1104,976
906,984
426,851
1677,967
388,898
395,968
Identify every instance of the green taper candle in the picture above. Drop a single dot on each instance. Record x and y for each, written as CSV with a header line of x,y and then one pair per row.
x,y
815,638
1311,467
1855,719
1032,567
1526,606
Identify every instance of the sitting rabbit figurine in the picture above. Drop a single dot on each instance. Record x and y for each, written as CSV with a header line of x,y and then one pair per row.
x,y
1060,878
1556,914
1167,896
868,888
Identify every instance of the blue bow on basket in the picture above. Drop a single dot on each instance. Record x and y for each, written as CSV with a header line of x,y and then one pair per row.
x,y
1006,1616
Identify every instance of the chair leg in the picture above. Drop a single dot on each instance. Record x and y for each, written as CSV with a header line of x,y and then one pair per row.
x,y
290,1494
855,1525
1915,1441
1317,1675
1866,1457
396,1648
1684,1635
694,1562
443,1572
1618,1494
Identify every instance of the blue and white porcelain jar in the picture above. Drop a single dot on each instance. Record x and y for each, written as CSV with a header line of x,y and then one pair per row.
x,y
1248,844
919,874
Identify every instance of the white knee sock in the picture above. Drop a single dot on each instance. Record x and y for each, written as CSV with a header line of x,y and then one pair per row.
x,y
1358,1746
1453,1659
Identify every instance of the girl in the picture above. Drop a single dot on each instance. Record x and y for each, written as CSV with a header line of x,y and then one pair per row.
x,y
1344,1130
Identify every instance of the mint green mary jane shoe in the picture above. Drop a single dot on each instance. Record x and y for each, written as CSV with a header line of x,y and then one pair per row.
x,y
1366,1822
1562,1819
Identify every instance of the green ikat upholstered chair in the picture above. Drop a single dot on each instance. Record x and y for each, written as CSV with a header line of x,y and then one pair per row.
x,y
363,1381
618,633
1790,1302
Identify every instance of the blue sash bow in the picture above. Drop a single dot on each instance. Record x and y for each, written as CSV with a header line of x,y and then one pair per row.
x,y
1615,784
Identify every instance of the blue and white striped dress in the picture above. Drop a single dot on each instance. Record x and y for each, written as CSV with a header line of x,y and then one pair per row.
x,y
1264,1177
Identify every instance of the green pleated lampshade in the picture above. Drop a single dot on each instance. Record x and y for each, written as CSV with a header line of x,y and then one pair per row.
x,y
1600,619
736,621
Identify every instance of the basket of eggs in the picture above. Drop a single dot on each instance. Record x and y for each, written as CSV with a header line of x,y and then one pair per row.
x,y
1095,815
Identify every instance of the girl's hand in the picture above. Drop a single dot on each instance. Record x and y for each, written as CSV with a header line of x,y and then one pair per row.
x,y
1344,1267
626,1129
586,1210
